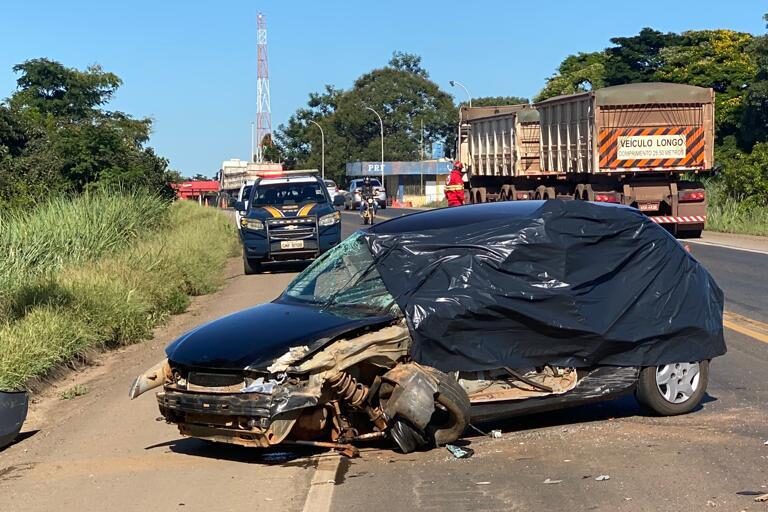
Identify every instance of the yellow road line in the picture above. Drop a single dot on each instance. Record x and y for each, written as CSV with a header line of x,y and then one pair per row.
x,y
746,326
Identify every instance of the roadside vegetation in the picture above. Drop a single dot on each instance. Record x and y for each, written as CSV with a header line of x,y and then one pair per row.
x,y
100,271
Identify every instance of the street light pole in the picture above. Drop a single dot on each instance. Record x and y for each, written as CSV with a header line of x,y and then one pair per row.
x,y
381,123
322,142
454,83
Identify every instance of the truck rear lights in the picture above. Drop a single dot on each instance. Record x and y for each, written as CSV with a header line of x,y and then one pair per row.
x,y
691,196
523,195
607,198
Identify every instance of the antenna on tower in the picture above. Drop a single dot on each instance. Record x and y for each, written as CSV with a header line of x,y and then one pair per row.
x,y
263,109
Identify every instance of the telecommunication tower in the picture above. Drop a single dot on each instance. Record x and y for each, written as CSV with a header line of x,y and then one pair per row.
x,y
263,110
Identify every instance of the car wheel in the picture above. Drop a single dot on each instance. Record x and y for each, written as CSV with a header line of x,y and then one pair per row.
x,y
672,389
406,436
451,416
251,266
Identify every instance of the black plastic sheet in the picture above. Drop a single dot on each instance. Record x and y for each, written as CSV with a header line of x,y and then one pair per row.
x,y
567,283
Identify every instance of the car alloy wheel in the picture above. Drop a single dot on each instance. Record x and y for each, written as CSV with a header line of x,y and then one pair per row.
x,y
678,382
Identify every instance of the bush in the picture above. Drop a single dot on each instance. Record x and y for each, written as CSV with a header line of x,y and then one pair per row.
x,y
101,272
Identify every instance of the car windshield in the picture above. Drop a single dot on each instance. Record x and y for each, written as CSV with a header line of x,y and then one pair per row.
x,y
278,194
344,280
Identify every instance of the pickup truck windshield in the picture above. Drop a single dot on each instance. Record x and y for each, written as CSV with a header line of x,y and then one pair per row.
x,y
278,194
345,281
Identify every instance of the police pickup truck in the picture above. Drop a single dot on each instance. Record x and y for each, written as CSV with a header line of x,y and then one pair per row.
x,y
288,215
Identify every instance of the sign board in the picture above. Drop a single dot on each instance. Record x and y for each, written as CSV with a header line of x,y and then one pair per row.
x,y
640,147
661,148
438,151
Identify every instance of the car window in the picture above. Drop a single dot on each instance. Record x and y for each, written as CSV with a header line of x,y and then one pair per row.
x,y
344,280
246,193
278,194
330,184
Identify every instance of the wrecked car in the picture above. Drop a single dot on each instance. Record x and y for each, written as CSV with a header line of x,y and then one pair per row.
x,y
422,324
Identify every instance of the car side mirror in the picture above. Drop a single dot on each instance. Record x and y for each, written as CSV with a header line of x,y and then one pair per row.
x,y
240,206
338,201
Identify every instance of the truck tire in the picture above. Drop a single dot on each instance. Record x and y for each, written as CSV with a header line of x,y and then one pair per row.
x,y
540,191
504,194
654,391
481,195
251,266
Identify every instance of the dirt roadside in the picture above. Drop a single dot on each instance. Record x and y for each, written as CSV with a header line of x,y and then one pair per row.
x,y
103,449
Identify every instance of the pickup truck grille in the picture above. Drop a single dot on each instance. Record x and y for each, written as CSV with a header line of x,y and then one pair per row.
x,y
292,229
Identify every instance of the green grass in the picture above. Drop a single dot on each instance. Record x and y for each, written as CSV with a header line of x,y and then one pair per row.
x,y
727,215
100,271
74,392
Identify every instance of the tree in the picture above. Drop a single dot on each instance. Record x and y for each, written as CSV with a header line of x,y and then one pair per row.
x,y
55,137
493,101
66,93
754,125
400,92
577,73
719,59
637,58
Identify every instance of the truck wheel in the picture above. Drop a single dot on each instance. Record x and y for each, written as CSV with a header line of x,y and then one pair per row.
x,y
672,389
482,195
504,194
251,266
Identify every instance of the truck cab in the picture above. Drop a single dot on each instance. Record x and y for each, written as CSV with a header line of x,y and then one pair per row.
x,y
288,216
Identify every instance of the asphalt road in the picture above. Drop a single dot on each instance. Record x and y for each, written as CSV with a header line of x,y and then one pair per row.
x,y
102,451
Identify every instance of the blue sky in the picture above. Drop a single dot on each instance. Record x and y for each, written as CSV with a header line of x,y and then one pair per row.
x,y
191,65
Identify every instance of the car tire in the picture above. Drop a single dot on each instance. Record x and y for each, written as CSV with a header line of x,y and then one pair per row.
x,y
452,410
673,389
251,266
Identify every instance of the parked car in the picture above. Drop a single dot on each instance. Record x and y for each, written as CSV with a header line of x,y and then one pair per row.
x,y
352,196
410,330
242,197
330,185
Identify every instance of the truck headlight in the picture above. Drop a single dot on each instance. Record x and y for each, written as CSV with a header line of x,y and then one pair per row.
x,y
330,219
252,224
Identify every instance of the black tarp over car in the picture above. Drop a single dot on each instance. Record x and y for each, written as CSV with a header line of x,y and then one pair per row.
x,y
567,283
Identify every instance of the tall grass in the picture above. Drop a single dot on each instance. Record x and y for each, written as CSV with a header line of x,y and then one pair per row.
x,y
730,216
100,271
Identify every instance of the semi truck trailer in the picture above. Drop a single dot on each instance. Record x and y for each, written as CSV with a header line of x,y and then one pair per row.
x,y
642,145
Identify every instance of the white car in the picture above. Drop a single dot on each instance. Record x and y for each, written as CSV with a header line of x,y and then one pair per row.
x,y
332,188
352,197
242,195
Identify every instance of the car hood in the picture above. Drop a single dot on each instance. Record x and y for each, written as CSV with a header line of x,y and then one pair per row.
x,y
257,336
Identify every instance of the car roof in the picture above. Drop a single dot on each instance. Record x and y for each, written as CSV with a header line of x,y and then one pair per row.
x,y
453,217
292,179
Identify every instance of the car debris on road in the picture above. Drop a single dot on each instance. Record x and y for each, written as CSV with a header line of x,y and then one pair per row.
x,y
412,329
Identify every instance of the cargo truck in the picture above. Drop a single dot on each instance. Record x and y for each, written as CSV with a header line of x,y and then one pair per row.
x,y
641,145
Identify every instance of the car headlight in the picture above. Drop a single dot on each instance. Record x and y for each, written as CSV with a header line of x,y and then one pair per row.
x,y
330,219
252,224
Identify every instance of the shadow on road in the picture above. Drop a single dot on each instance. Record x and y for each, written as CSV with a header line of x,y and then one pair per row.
x,y
622,407
23,436
277,456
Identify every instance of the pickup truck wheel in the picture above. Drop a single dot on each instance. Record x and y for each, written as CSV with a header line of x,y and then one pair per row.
x,y
673,389
251,266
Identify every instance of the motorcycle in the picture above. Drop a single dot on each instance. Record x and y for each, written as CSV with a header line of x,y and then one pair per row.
x,y
369,210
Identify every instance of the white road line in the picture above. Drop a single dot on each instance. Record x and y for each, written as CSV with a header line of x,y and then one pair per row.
x,y
320,493
724,246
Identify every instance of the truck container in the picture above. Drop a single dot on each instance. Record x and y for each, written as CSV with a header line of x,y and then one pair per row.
x,y
631,144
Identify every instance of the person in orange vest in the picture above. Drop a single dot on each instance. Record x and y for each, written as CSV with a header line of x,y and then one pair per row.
x,y
454,186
